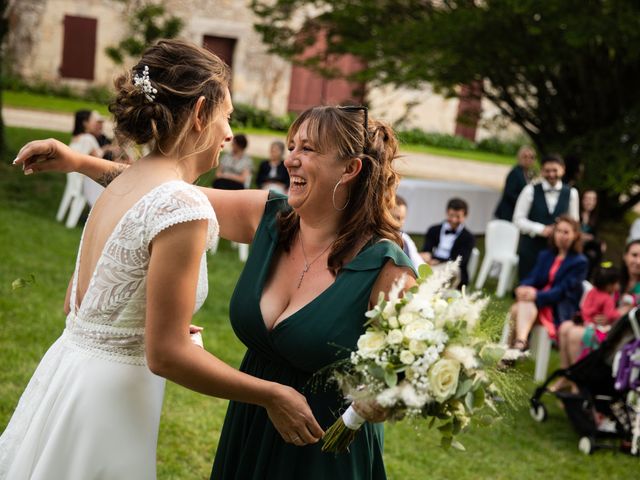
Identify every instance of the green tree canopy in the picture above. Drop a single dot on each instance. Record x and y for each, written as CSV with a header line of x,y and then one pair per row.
x,y
148,21
566,71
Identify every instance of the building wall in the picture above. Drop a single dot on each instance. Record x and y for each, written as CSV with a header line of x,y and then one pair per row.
x,y
259,79
44,57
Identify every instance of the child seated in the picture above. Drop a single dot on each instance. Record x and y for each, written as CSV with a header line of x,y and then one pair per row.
x,y
598,312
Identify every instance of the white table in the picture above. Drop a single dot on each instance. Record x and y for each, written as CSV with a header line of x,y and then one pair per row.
x,y
427,203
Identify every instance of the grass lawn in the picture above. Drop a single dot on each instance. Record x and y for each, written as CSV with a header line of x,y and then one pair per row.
x,y
44,102
31,318
36,101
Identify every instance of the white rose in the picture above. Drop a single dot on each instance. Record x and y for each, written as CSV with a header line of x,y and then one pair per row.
x,y
419,330
443,378
465,355
393,322
407,357
417,347
406,318
370,342
394,337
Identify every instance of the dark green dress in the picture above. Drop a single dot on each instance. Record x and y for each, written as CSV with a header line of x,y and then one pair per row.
x,y
319,334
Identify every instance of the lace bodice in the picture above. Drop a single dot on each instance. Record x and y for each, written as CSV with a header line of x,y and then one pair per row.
x,y
111,319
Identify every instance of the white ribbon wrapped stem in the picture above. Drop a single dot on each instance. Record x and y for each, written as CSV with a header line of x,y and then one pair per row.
x,y
351,419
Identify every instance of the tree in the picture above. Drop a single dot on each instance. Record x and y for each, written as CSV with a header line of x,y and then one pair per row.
x,y
5,5
148,21
566,71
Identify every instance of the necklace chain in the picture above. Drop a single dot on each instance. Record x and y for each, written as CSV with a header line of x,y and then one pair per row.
x,y
308,264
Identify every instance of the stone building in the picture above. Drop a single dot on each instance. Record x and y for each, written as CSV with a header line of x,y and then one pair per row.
x,y
65,41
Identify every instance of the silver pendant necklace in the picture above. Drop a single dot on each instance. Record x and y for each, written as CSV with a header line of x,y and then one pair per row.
x,y
308,264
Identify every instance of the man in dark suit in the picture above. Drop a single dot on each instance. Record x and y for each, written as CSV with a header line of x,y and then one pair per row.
x,y
518,178
450,239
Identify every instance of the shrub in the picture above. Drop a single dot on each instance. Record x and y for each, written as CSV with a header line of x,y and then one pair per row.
x,y
454,142
94,93
248,116
442,140
495,145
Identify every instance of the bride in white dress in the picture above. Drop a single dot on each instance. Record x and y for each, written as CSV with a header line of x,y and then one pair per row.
x,y
92,407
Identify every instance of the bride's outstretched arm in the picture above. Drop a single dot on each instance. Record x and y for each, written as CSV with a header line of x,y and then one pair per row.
x,y
52,155
238,211
176,254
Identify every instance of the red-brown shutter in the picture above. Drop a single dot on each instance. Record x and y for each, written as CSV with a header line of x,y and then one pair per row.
x,y
222,47
469,110
308,88
79,48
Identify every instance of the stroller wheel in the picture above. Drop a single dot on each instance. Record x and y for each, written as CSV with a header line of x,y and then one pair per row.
x,y
538,412
586,445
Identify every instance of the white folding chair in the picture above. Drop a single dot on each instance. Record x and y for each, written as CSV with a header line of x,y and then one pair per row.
x,y
501,245
73,200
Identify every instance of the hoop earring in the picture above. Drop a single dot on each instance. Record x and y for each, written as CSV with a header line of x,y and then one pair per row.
x,y
333,197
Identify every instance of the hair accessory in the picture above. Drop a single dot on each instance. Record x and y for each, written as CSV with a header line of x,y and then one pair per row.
x,y
144,83
606,264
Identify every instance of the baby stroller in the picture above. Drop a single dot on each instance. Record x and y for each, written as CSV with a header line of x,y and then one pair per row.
x,y
604,416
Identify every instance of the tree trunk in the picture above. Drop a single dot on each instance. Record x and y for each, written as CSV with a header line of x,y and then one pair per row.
x,y
4,27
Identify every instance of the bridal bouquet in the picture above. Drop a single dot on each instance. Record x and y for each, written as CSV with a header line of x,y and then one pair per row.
x,y
421,357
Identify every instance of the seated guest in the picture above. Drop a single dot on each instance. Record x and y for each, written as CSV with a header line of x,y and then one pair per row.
x,y
597,312
518,178
591,246
552,291
630,276
234,170
450,239
272,174
408,246
537,208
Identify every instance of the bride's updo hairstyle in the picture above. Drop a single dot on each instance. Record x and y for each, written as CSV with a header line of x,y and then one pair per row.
x,y
155,100
371,194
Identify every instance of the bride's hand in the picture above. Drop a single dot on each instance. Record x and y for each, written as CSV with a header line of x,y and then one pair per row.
x,y
371,411
291,416
46,155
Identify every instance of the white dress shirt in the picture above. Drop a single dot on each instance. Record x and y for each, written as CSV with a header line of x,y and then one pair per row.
x,y
443,250
412,251
551,195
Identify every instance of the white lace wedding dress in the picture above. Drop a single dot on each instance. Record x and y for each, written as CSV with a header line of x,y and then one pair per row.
x,y
92,407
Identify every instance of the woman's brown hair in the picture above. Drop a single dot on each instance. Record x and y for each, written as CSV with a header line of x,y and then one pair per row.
x,y
576,246
181,72
371,193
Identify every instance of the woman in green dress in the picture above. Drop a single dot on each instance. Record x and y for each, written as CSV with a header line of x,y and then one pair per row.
x,y
319,260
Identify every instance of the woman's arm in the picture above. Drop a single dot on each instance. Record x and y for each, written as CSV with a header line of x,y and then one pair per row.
x,y
388,275
67,297
176,254
238,211
53,155
572,279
